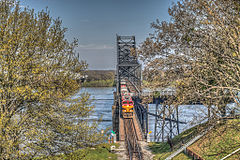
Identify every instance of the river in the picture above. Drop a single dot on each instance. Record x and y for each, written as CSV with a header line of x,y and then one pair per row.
x,y
103,101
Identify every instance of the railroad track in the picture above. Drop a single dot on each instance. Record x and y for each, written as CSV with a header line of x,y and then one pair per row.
x,y
133,148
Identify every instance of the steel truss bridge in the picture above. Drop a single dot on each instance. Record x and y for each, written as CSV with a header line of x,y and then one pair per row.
x,y
133,131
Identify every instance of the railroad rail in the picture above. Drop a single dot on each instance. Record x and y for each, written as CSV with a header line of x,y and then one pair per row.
x,y
134,150
128,86
130,117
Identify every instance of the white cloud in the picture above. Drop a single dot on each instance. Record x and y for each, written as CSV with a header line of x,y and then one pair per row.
x,y
95,46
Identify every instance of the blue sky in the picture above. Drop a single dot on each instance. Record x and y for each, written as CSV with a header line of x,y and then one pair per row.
x,y
95,23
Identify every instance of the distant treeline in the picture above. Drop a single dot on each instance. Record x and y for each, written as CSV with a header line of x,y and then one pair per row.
x,y
99,78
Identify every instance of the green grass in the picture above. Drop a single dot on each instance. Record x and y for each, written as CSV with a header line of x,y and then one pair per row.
x,y
100,152
99,83
234,157
220,141
187,135
162,149
181,156
216,144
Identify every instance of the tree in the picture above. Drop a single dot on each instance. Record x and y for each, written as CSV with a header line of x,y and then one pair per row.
x,y
197,52
38,75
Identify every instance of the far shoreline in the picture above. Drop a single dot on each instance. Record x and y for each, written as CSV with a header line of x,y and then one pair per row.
x,y
99,83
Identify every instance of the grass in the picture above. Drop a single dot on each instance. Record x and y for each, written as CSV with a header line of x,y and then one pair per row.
x,y
220,141
234,157
181,156
162,149
99,152
223,139
99,83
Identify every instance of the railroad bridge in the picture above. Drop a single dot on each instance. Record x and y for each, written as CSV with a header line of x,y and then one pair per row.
x,y
132,131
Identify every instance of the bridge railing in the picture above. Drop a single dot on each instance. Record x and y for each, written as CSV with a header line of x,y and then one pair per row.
x,y
141,113
159,92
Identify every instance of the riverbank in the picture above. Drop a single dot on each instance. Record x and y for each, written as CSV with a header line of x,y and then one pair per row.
x,y
221,140
99,83
99,78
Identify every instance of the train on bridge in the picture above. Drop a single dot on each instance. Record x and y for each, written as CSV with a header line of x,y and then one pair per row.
x,y
128,76
126,100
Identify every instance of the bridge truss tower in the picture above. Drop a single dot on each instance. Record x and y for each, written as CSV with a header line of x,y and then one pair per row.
x,y
166,122
129,69
128,66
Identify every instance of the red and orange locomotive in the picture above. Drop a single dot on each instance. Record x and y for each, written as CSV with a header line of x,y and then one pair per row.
x,y
127,102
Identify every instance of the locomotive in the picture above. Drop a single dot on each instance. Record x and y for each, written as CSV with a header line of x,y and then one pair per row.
x,y
126,101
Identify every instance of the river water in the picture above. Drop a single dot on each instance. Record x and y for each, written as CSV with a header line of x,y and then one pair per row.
x,y
103,101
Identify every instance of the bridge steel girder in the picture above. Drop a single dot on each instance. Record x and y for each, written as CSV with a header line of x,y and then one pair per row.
x,y
142,114
129,68
127,62
166,122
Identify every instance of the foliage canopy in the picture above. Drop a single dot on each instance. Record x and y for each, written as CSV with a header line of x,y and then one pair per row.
x,y
39,72
197,53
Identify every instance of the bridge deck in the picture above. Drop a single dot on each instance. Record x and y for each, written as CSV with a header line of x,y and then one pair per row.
x,y
121,130
137,127
129,83
138,130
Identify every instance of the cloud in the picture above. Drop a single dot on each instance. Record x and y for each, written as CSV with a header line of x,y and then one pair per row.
x,y
95,47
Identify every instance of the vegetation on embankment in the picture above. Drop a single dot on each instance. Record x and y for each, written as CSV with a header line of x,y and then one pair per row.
x,y
220,141
182,156
99,78
99,152
99,83
162,149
